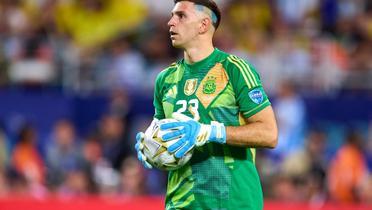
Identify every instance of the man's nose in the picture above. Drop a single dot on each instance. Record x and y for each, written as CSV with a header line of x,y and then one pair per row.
x,y
171,22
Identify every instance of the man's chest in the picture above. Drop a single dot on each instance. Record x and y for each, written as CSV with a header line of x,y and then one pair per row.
x,y
195,93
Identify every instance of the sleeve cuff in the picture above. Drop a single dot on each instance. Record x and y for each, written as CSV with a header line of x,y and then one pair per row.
x,y
258,108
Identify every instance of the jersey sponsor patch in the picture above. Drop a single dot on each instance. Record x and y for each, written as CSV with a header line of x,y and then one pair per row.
x,y
256,96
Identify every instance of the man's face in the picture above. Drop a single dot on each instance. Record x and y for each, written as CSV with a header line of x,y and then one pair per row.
x,y
184,24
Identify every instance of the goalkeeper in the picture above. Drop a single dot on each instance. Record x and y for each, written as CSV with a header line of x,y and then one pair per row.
x,y
223,114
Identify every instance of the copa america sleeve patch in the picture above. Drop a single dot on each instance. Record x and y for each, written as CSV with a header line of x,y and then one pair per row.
x,y
256,95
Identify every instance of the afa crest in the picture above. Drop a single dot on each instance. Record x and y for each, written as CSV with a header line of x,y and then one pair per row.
x,y
209,86
190,86
212,85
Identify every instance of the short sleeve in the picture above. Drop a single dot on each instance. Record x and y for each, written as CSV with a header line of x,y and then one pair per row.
x,y
250,95
158,95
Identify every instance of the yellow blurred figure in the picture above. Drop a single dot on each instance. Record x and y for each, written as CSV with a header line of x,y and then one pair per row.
x,y
249,20
93,22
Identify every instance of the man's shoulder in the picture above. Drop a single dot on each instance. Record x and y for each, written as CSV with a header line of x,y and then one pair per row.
x,y
235,53
233,62
172,67
169,72
239,67
233,59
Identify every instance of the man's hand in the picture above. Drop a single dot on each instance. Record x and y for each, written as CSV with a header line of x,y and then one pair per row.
x,y
139,144
192,134
139,147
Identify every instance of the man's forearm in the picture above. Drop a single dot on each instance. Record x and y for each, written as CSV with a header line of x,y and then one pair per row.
x,y
260,131
251,135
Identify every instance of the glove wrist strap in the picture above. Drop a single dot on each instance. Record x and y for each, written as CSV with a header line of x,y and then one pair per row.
x,y
218,132
215,132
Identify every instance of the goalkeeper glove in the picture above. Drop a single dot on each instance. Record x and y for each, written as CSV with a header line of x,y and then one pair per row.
x,y
139,145
192,134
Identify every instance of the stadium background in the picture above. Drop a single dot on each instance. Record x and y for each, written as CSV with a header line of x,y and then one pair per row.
x,y
76,82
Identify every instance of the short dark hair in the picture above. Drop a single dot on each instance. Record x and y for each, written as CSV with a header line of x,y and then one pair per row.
x,y
210,4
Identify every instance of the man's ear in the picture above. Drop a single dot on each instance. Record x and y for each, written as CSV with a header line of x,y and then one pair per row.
x,y
205,25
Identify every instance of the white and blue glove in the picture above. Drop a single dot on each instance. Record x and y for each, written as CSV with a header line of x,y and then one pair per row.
x,y
139,145
192,134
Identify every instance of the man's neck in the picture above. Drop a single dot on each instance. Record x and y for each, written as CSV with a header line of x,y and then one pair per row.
x,y
197,53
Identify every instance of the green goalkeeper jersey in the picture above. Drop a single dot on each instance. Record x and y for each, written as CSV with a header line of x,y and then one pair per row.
x,y
222,88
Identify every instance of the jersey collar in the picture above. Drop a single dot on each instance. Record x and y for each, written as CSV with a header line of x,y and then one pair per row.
x,y
200,65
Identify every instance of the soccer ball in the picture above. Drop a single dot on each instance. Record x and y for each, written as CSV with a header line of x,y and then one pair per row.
x,y
155,149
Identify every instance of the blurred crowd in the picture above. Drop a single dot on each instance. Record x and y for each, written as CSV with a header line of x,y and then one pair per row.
x,y
96,45
117,47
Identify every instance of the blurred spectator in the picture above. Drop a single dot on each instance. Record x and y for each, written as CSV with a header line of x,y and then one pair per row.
x,y
33,64
91,151
26,159
3,60
158,53
284,189
132,178
366,21
28,162
4,188
348,9
106,178
159,8
126,67
294,56
26,48
347,170
63,152
360,57
114,146
18,184
360,73
103,178
15,17
368,148
75,184
308,168
290,113
329,62
141,122
119,103
268,63
293,13
366,190
4,148
92,156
